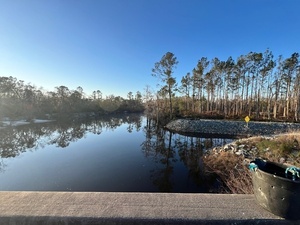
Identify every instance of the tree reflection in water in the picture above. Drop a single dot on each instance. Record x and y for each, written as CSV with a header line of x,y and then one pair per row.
x,y
166,149
15,140
2,165
175,161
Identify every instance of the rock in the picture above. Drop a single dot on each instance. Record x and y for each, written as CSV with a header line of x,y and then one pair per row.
x,y
230,127
239,152
282,160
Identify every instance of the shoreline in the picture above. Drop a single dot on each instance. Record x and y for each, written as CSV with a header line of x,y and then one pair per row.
x,y
228,128
235,130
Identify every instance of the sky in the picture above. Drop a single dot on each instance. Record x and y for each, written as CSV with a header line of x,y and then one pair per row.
x,y
112,45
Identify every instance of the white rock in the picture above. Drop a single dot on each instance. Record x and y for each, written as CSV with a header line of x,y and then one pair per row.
x,y
239,152
282,160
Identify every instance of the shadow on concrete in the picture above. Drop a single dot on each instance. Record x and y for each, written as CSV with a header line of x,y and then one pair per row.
x,y
132,221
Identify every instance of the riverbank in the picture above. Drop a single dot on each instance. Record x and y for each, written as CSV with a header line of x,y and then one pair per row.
x,y
286,136
228,128
277,142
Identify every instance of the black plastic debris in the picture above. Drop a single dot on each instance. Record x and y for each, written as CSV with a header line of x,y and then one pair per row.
x,y
277,188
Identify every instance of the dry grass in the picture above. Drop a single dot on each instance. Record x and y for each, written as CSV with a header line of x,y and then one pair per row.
x,y
232,170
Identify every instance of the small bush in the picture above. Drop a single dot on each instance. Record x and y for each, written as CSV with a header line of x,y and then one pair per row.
x,y
232,170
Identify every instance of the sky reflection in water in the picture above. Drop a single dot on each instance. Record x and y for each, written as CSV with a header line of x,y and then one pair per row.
x,y
111,154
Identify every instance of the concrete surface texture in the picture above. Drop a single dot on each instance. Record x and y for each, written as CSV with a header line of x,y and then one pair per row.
x,y
132,208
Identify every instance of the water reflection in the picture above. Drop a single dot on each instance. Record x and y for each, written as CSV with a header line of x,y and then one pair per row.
x,y
158,146
15,140
171,162
166,149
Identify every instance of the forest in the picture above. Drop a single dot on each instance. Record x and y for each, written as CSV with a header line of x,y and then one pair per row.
x,y
256,85
20,100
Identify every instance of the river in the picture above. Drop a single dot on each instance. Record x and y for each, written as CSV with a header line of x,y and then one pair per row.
x,y
114,153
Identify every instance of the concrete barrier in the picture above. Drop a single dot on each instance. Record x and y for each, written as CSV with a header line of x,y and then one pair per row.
x,y
131,208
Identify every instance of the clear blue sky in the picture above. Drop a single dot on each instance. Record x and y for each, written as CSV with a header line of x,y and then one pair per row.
x,y
112,45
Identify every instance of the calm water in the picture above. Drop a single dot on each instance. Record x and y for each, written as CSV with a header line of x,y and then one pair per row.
x,y
109,154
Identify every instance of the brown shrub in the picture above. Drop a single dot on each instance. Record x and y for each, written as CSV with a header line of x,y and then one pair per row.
x,y
232,170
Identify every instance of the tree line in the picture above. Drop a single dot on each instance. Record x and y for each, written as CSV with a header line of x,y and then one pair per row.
x,y
255,84
20,100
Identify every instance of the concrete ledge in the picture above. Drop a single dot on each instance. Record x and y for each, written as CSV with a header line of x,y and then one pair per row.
x,y
131,208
